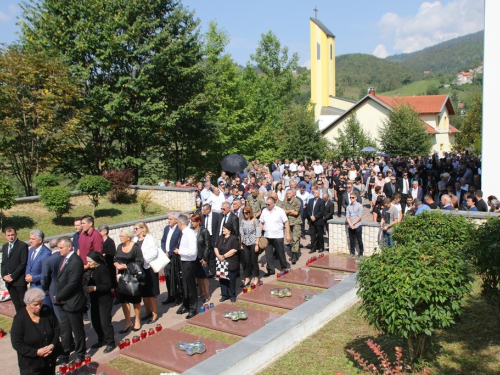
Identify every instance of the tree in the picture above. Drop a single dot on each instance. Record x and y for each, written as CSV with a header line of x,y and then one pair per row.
x,y
472,125
406,79
432,89
56,199
352,139
142,68
403,133
300,136
38,111
7,197
45,180
94,187
418,286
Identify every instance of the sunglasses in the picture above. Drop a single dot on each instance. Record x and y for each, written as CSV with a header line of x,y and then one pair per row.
x,y
137,228
353,197
246,213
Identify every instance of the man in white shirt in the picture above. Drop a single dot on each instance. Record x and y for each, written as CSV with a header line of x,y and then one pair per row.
x,y
216,200
206,192
272,221
317,167
293,166
188,250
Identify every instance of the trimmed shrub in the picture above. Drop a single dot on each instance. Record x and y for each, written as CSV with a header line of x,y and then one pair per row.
x,y
56,199
45,180
120,182
94,187
485,253
145,200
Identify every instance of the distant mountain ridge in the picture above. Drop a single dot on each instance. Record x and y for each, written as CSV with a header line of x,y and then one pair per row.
x,y
447,57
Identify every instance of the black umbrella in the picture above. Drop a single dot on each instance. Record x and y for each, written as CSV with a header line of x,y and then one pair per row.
x,y
233,163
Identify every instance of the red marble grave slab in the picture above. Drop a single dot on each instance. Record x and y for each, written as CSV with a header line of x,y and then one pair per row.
x,y
336,263
160,350
311,277
262,295
214,319
97,368
7,309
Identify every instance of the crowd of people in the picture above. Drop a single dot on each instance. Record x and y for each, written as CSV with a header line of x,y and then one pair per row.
x,y
261,209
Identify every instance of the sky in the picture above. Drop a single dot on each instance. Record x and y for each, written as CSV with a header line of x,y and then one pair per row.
x,y
381,28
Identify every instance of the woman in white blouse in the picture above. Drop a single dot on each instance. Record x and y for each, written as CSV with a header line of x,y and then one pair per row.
x,y
151,288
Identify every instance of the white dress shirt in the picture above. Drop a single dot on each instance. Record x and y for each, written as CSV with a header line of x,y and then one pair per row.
x,y
188,248
273,222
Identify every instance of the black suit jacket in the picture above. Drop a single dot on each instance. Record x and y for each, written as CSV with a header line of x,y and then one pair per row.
x,y
388,189
233,221
329,210
317,212
15,264
174,241
215,228
50,270
400,183
70,285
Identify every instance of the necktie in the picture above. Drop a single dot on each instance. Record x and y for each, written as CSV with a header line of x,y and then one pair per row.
x,y
63,264
223,223
314,204
236,212
206,221
11,245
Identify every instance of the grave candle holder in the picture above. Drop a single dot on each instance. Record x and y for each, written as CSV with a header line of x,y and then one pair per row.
x,y
71,366
144,334
78,363
127,342
202,309
158,327
151,332
88,359
136,339
212,305
63,369
121,344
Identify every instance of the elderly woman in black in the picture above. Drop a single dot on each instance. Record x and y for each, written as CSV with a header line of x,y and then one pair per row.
x,y
227,249
35,335
101,301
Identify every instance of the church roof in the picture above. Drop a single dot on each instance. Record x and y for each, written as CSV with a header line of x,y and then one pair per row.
x,y
322,27
421,103
453,130
331,111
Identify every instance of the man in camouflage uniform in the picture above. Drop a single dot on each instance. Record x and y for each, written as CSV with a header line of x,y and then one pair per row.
x,y
292,206
256,201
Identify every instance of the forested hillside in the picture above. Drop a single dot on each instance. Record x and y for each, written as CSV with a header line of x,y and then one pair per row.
x,y
449,57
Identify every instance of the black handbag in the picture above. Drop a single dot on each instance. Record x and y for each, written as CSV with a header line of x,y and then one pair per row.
x,y
128,284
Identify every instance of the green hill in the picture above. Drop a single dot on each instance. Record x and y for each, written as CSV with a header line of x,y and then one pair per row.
x,y
449,57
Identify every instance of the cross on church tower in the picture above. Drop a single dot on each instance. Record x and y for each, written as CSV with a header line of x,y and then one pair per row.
x,y
315,12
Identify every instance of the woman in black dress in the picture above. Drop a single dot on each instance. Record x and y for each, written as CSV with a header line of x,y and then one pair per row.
x,y
128,252
151,288
35,335
227,249
108,251
101,301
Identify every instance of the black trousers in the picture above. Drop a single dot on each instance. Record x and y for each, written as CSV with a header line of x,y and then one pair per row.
x,y
211,264
17,295
279,245
228,287
251,259
317,239
100,313
356,234
190,301
340,196
72,323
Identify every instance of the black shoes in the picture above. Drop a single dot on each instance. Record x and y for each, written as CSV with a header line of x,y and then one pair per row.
x,y
147,317
191,314
267,274
127,329
223,299
62,360
181,310
97,345
109,348
321,251
312,251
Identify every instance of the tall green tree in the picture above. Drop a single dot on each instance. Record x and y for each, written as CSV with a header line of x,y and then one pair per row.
x,y
142,68
472,125
300,136
352,139
403,133
38,111
7,197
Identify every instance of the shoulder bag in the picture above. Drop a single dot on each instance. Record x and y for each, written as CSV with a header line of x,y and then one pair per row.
x,y
128,284
160,262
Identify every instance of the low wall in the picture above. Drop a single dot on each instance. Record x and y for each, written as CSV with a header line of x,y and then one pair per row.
x,y
338,239
175,199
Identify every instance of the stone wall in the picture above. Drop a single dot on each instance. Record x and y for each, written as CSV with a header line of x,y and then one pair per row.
x,y
338,240
174,199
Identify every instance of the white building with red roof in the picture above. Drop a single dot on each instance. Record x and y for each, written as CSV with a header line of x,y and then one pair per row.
x,y
372,110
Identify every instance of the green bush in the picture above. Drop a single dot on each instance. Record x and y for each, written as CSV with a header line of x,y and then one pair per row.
x,y
145,200
485,253
7,197
94,187
56,199
45,180
419,285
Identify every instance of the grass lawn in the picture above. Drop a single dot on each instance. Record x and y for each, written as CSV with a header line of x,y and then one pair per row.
x,y
133,366
472,346
27,216
5,323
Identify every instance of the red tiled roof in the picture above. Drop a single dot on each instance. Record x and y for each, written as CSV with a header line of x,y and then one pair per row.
x,y
429,129
421,103
453,130
465,74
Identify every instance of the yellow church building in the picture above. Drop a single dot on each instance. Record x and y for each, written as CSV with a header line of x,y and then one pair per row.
x,y
331,112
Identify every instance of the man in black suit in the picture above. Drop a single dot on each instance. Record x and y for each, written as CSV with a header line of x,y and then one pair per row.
x,y
391,187
71,300
227,217
315,212
170,242
329,211
50,270
405,185
14,259
210,220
